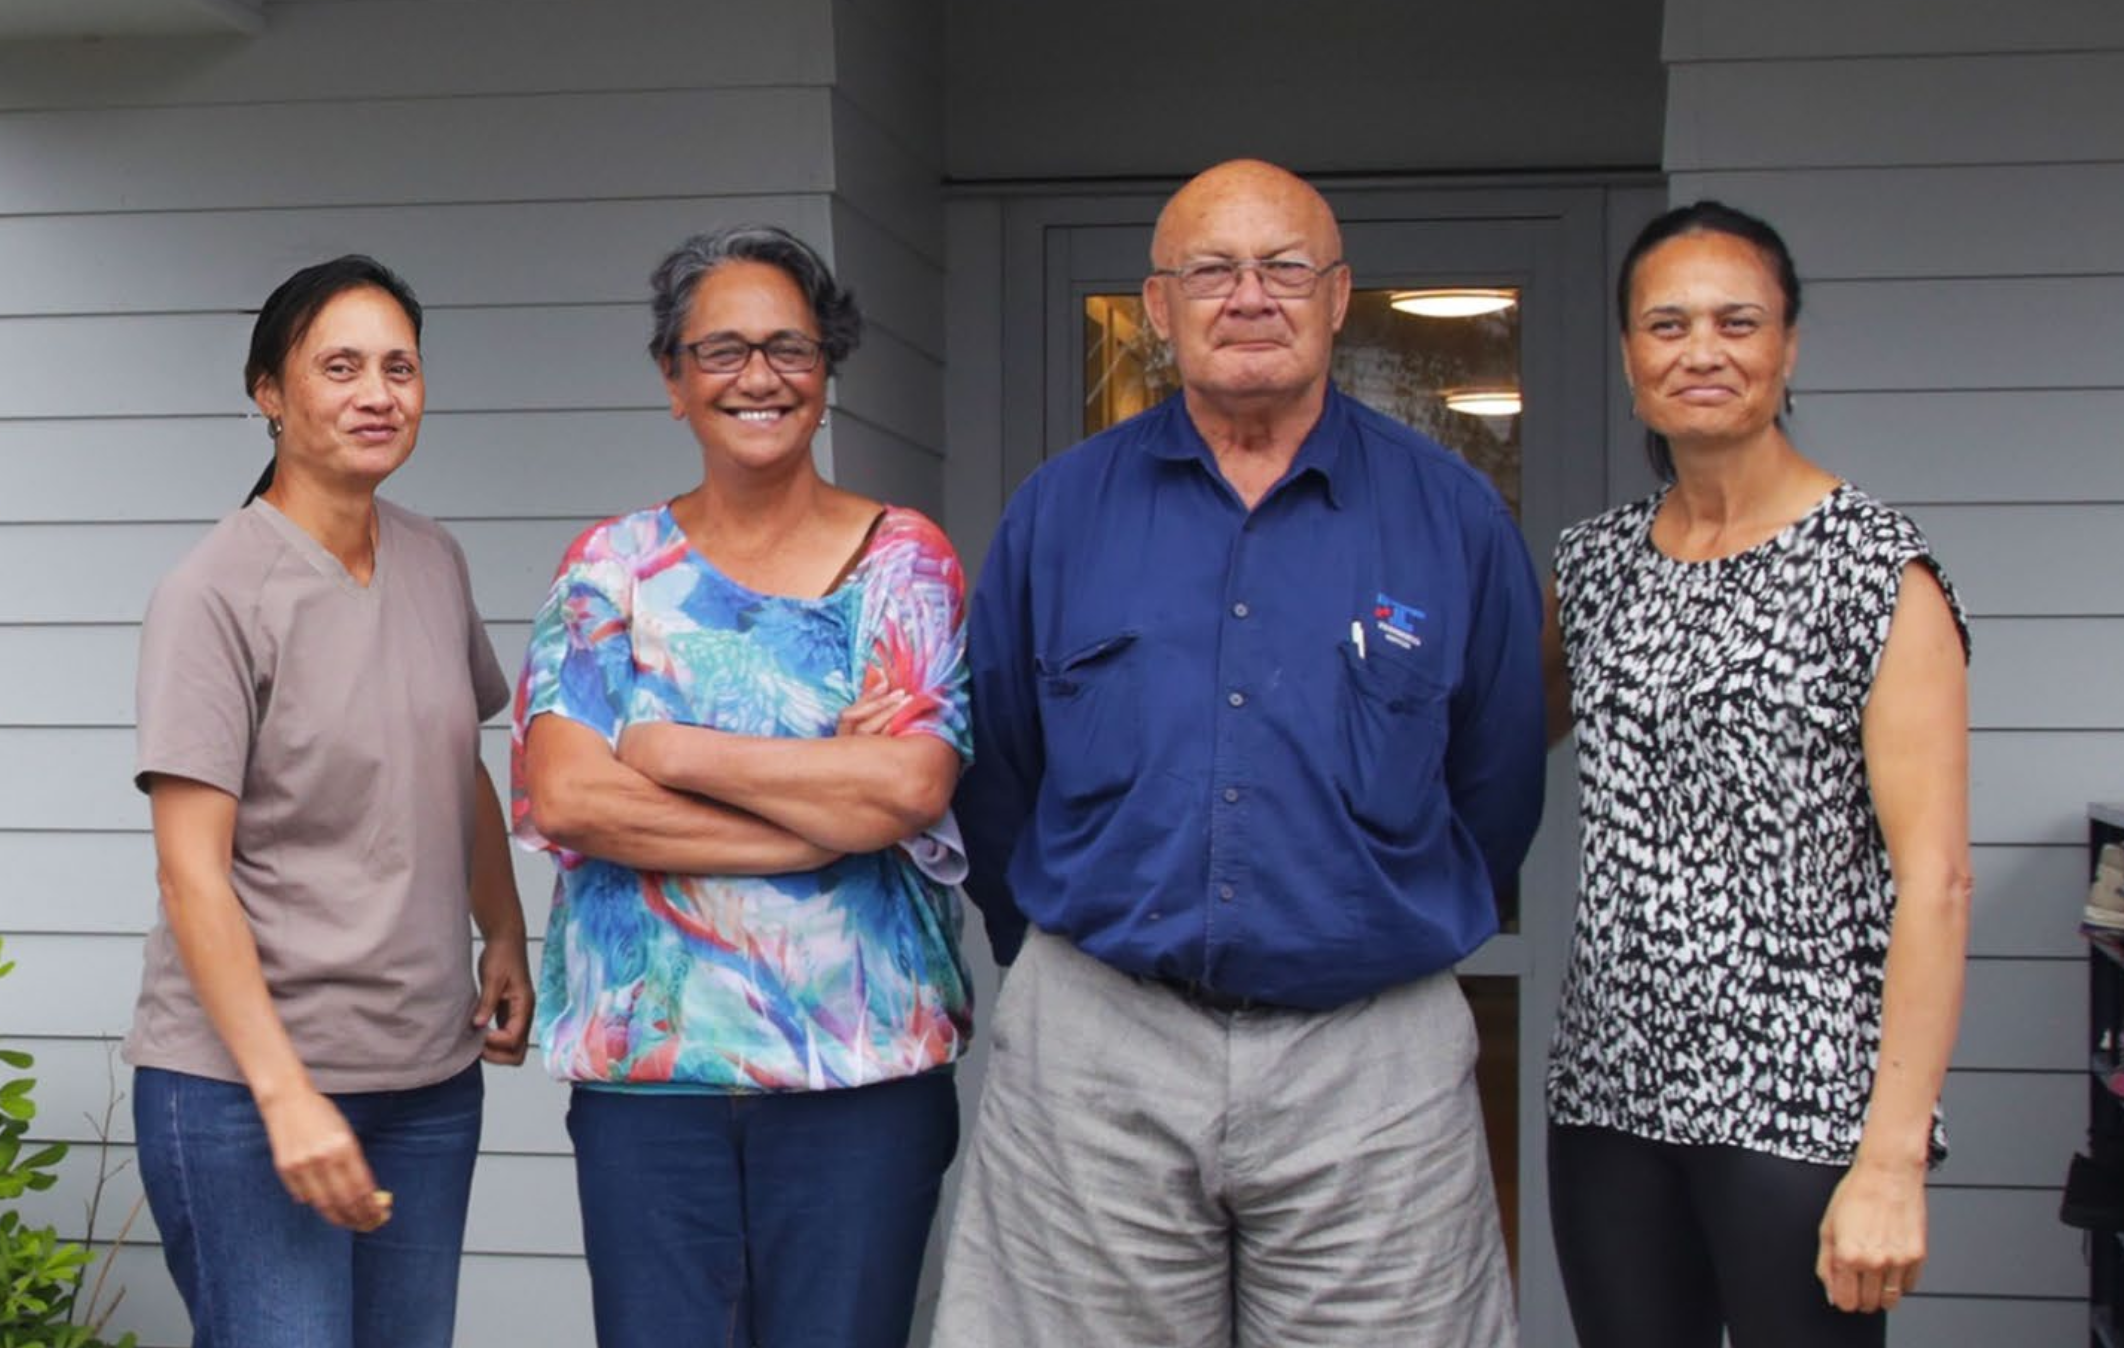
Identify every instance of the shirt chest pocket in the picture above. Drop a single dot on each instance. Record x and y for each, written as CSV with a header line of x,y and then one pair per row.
x,y
1091,712
1393,726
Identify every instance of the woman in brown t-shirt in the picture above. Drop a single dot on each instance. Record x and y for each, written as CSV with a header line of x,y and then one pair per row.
x,y
309,1029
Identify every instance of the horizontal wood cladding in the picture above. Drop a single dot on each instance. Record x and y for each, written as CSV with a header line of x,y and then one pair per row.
x,y
2029,560
494,254
889,60
2048,107
515,148
1950,220
877,172
2028,900
438,51
1967,446
2011,333
2012,1128
1947,1319
1713,30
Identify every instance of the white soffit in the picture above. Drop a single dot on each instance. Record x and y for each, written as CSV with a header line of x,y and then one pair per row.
x,y
33,19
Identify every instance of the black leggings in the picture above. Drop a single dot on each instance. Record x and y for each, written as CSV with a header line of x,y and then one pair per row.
x,y
1666,1246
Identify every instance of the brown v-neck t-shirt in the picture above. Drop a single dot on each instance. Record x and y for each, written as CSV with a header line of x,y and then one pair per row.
x,y
345,720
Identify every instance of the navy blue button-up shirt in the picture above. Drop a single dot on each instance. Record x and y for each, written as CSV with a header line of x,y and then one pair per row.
x,y
1292,752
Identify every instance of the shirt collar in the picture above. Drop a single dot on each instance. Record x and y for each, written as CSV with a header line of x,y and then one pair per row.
x,y
1320,454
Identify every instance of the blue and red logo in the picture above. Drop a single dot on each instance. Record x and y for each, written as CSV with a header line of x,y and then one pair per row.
x,y
1398,622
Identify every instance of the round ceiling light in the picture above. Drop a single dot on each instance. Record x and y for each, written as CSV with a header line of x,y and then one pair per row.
x,y
1484,402
1454,301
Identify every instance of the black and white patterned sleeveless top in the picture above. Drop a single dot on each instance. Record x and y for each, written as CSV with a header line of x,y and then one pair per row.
x,y
1734,898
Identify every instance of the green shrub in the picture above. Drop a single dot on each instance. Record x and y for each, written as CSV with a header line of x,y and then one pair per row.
x,y
40,1275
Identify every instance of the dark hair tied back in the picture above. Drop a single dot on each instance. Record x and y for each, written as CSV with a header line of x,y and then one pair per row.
x,y
1703,217
294,305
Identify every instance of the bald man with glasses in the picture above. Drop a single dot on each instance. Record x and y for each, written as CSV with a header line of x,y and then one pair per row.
x,y
1258,739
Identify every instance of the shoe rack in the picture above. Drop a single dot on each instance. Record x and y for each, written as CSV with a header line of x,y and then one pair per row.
x,y
2094,1196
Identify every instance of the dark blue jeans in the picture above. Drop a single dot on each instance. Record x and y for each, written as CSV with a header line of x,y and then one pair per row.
x,y
259,1270
784,1221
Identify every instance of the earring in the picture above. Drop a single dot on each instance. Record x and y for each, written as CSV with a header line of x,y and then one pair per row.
x,y
274,428
824,412
1788,400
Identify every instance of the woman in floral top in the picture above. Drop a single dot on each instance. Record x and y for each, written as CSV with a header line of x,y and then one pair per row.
x,y
736,710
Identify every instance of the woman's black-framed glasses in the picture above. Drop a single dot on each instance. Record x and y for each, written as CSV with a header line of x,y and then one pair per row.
x,y
786,352
1285,278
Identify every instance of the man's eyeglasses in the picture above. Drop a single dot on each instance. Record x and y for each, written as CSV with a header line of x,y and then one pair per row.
x,y
786,352
1285,278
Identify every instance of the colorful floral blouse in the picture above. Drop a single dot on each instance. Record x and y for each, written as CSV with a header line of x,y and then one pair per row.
x,y
805,981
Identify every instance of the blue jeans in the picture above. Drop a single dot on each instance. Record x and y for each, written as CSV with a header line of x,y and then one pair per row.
x,y
784,1221
259,1270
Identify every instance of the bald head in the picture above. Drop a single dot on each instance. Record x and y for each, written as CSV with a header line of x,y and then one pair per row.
x,y
1249,349
1250,192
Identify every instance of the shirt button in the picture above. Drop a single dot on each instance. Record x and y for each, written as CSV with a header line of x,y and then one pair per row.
x,y
1236,699
1224,892
1231,795
1240,610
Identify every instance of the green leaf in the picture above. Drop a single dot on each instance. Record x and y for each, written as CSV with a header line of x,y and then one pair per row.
x,y
51,1155
15,1057
15,1099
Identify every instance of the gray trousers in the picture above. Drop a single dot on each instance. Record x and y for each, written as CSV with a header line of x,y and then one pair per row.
x,y
1146,1174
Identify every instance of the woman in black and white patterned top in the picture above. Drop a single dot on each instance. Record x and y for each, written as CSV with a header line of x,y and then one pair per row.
x,y
1767,673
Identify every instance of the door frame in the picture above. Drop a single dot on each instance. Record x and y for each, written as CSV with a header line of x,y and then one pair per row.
x,y
1014,354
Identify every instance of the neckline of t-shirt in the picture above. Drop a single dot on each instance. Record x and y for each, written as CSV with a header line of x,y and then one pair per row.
x,y
1775,543
667,522
320,557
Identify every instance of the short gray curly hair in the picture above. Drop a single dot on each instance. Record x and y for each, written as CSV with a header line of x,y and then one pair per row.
x,y
676,278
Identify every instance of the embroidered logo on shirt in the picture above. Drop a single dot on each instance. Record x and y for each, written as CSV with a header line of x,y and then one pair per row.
x,y
1397,622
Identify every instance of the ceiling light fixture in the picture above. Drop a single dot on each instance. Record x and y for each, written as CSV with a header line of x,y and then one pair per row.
x,y
1454,301
1484,402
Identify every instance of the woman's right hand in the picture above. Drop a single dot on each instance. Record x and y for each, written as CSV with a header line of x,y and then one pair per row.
x,y
871,713
320,1161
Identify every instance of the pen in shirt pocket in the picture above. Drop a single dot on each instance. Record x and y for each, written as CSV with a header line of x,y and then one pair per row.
x,y
1357,636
